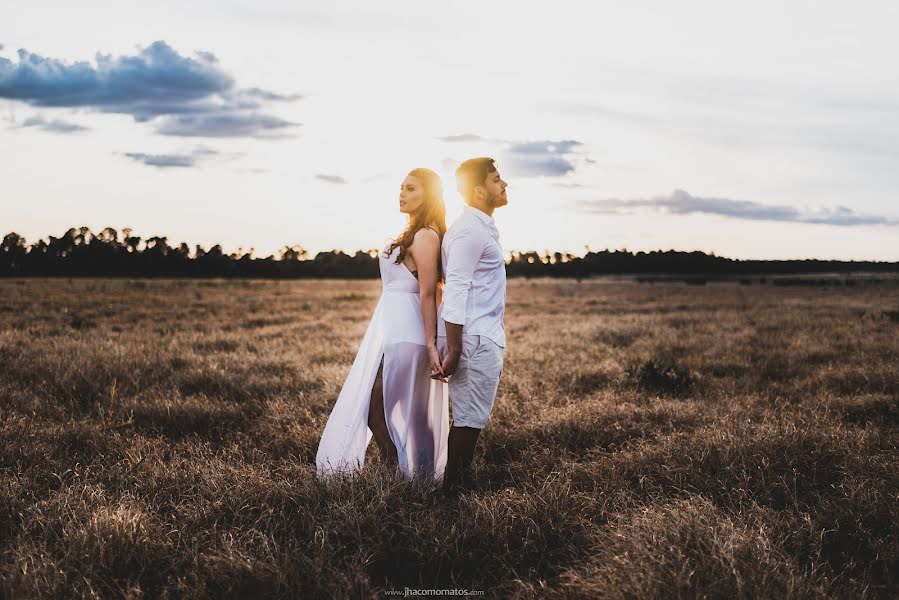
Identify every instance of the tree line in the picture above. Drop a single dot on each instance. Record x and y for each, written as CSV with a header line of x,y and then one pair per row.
x,y
81,253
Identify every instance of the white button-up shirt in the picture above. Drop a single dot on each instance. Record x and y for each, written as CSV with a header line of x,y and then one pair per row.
x,y
474,294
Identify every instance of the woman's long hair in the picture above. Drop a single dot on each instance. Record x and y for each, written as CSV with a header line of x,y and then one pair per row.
x,y
431,213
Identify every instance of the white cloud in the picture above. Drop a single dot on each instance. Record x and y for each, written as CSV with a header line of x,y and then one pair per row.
x,y
181,95
680,202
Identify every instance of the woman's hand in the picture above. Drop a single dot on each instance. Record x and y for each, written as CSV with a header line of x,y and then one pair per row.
x,y
436,364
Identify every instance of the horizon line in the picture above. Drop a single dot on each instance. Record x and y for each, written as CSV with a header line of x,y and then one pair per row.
x,y
242,251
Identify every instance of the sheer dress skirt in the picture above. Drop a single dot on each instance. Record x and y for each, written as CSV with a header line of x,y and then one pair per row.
x,y
416,407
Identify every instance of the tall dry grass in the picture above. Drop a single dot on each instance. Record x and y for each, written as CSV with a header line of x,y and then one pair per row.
x,y
158,438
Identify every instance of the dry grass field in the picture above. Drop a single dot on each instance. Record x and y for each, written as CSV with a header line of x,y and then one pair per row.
x,y
158,438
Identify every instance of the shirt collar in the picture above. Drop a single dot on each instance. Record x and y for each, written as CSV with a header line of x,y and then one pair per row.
x,y
487,219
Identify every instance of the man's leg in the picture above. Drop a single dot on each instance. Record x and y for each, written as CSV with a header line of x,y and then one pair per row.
x,y
473,392
378,423
459,456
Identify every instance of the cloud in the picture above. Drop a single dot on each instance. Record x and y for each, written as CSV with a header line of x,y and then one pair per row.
x,y
181,95
682,203
270,96
163,160
542,158
172,160
331,178
53,126
223,125
158,73
464,137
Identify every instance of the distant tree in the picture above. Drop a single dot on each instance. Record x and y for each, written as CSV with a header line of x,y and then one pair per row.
x,y
295,252
108,236
82,236
13,252
182,251
157,245
131,242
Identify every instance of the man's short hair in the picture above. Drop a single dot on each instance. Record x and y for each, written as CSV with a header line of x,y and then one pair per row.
x,y
472,173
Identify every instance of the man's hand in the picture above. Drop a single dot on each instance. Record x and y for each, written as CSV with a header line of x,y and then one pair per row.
x,y
453,348
451,362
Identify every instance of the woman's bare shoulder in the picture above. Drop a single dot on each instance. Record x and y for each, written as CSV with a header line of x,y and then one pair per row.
x,y
425,242
427,236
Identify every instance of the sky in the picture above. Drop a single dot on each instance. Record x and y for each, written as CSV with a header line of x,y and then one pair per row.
x,y
748,129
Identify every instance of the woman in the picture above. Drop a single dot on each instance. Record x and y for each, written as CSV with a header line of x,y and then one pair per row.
x,y
394,390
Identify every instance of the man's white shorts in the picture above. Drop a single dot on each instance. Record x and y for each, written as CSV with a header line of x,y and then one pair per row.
x,y
472,388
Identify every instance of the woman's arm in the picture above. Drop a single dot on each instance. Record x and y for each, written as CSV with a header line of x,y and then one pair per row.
x,y
425,250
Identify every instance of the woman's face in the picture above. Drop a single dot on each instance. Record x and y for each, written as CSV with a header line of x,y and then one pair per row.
x,y
411,195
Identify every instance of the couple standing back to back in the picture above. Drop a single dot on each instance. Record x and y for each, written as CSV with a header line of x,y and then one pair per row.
x,y
416,356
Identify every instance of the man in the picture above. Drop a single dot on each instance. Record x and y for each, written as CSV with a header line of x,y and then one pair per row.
x,y
470,319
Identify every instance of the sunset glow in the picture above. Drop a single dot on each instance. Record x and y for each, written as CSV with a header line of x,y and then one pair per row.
x,y
753,131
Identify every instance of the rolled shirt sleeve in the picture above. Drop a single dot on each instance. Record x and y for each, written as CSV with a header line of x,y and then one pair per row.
x,y
463,253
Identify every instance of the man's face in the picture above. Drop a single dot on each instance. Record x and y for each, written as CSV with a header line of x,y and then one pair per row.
x,y
495,190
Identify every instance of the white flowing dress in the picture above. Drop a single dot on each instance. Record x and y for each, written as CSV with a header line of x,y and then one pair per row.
x,y
416,407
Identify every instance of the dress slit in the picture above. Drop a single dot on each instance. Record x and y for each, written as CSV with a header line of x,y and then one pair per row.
x,y
383,402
